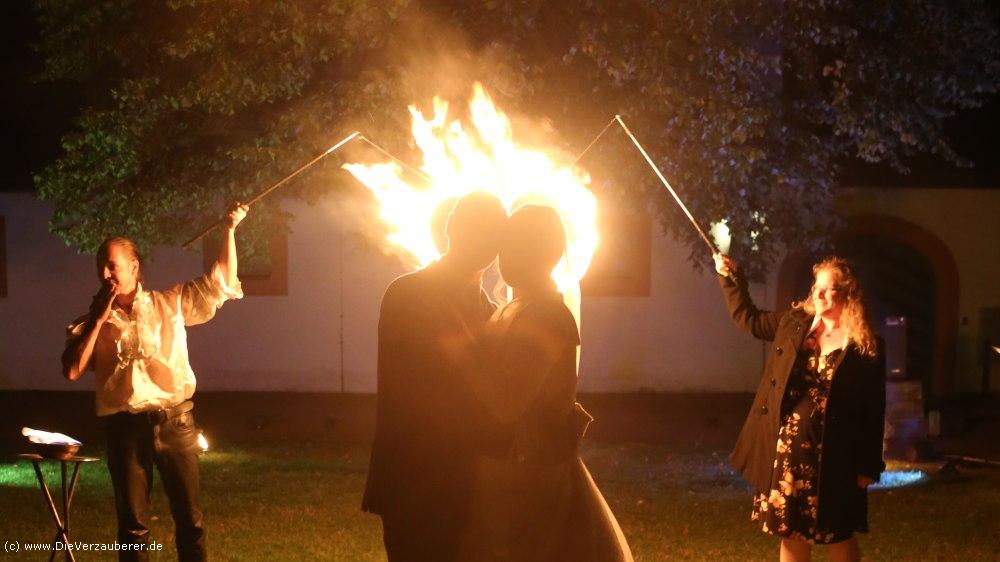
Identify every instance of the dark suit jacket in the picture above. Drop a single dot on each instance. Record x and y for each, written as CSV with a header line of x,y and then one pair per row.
x,y
428,421
853,432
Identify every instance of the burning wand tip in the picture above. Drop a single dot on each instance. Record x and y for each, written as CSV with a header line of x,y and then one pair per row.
x,y
344,141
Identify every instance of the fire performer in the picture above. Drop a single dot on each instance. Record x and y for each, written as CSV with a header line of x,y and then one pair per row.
x,y
812,443
429,427
135,340
536,501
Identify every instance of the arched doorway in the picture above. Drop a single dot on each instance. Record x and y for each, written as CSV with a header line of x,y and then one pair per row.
x,y
906,272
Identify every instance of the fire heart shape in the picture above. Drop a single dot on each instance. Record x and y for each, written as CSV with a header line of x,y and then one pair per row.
x,y
484,157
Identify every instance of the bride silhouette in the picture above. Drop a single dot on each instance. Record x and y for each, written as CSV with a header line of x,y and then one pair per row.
x,y
534,500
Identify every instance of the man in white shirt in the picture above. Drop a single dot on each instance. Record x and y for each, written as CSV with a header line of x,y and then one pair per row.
x,y
135,341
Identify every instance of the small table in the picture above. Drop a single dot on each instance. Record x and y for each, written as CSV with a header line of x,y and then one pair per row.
x,y
62,523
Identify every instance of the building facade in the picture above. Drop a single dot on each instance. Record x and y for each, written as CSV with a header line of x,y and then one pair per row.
x,y
310,325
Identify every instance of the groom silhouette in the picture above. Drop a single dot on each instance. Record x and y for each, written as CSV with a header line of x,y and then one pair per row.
x,y
428,426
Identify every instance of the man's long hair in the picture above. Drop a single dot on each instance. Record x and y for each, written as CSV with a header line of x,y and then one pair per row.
x,y
855,315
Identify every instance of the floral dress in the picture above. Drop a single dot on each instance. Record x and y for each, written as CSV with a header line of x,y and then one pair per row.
x,y
789,509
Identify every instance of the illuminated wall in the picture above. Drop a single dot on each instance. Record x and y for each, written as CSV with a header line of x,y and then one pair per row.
x,y
321,335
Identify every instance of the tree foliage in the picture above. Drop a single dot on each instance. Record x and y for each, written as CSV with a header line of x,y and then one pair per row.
x,y
749,106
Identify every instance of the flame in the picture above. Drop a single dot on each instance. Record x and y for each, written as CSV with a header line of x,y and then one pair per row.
x,y
457,162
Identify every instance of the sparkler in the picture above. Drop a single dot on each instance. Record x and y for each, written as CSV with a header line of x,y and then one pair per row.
x,y
283,181
656,170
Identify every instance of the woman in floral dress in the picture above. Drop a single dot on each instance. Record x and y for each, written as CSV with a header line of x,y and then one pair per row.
x,y
812,442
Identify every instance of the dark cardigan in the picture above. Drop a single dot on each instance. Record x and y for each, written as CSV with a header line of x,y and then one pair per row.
x,y
853,432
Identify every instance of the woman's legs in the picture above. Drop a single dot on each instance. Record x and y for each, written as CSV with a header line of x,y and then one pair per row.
x,y
794,551
799,551
844,551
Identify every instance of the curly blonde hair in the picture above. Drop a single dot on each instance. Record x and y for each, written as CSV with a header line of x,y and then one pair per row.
x,y
855,316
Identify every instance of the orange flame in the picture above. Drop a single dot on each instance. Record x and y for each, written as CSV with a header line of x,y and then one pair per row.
x,y
458,162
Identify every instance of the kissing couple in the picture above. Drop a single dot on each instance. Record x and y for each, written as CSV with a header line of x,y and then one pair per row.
x,y
475,456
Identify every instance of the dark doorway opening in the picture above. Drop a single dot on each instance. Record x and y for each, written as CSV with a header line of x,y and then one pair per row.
x,y
898,281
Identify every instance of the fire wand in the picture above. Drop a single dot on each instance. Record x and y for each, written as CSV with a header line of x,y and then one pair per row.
x,y
284,180
656,170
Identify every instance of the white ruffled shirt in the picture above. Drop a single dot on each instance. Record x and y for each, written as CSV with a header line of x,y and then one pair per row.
x,y
141,358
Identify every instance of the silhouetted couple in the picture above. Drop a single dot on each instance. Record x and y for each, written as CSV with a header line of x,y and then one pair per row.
x,y
477,427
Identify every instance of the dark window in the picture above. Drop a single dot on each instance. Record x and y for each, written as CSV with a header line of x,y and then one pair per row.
x,y
260,275
621,265
3,258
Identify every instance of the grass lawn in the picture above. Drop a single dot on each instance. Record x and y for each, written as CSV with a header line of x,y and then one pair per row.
x,y
299,502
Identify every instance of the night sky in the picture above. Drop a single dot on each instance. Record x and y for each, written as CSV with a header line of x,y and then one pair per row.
x,y
35,116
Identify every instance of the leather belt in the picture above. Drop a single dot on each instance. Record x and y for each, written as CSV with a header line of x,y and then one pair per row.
x,y
160,416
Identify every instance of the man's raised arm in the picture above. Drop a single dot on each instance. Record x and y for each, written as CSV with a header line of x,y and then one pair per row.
x,y
227,251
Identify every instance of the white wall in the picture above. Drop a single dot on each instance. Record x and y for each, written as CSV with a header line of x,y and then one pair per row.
x,y
43,296
679,338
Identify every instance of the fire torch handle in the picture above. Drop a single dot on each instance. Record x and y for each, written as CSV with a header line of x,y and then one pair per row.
x,y
283,181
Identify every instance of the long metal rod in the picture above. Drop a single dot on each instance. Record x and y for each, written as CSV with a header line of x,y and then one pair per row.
x,y
385,152
597,138
283,181
666,184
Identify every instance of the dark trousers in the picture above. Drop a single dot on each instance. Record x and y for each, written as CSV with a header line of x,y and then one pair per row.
x,y
419,539
135,443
